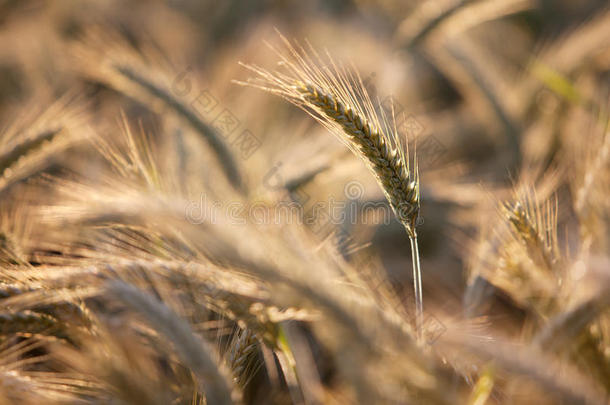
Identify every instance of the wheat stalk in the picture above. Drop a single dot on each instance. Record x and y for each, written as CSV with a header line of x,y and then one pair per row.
x,y
337,98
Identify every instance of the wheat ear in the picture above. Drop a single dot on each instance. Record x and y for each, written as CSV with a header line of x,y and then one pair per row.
x,y
387,164
27,322
193,351
242,357
210,135
338,99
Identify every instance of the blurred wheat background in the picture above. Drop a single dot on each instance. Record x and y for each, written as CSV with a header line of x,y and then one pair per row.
x,y
168,236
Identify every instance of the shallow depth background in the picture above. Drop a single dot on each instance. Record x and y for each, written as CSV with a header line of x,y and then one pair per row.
x,y
488,92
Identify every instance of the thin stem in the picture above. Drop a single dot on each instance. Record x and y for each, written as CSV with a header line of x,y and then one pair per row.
x,y
419,303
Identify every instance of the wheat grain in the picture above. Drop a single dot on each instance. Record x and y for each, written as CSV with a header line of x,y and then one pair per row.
x,y
337,98
32,145
28,322
537,236
242,357
388,166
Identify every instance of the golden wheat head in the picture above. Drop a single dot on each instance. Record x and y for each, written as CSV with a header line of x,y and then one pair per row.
x,y
337,98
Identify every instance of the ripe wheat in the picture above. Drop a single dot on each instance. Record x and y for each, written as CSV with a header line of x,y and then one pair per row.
x,y
337,98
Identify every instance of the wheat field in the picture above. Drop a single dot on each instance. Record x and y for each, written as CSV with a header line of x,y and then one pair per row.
x,y
321,202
